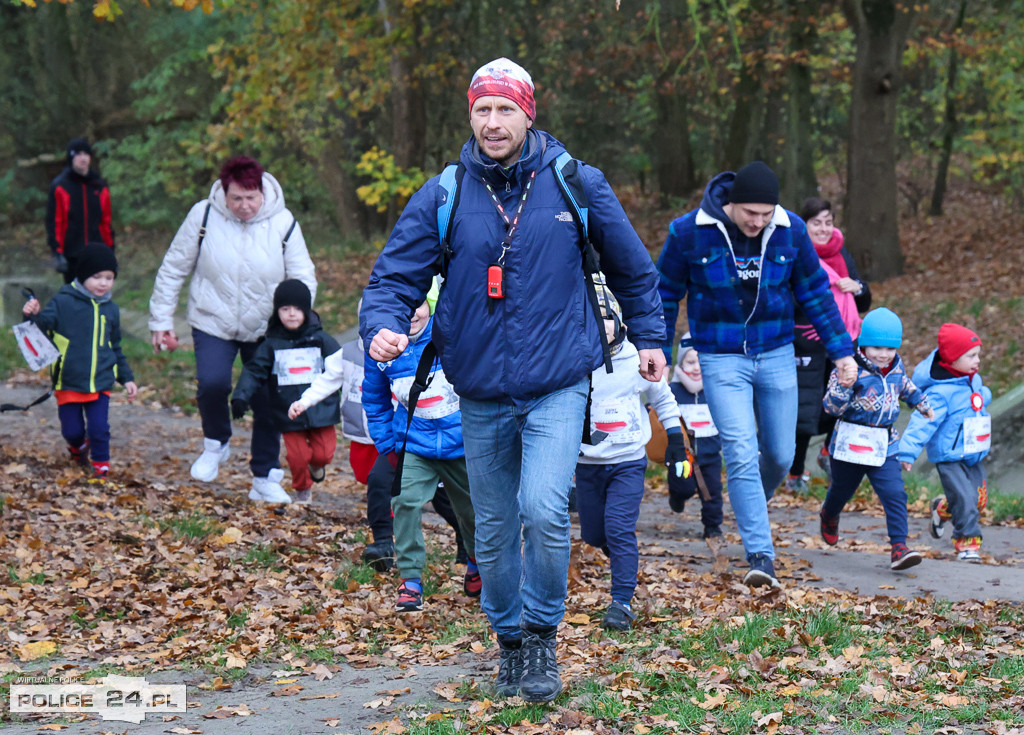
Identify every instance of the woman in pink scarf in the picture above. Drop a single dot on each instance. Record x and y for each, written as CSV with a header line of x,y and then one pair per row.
x,y
852,296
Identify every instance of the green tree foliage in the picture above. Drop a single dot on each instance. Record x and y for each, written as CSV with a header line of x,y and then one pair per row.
x,y
663,93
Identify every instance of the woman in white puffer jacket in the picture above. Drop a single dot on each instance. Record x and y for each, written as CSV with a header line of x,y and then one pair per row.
x,y
237,246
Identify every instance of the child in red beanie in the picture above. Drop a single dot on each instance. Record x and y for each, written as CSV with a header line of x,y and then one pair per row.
x,y
959,437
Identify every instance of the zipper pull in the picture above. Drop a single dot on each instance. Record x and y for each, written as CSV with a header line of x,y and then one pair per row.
x,y
508,187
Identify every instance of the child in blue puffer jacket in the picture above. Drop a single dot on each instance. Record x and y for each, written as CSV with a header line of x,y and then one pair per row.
x,y
959,438
433,452
865,439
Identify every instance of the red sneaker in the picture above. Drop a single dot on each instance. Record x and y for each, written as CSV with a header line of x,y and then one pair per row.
x,y
903,558
829,528
472,584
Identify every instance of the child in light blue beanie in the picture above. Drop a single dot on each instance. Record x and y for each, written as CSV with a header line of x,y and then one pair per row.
x,y
865,440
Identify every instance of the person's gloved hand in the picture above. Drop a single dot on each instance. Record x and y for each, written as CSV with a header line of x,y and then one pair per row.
x,y
675,455
238,407
60,263
393,459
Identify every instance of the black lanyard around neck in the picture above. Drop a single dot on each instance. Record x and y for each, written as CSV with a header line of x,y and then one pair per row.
x,y
511,225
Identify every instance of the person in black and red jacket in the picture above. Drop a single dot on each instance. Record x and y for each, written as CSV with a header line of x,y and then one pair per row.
x,y
77,209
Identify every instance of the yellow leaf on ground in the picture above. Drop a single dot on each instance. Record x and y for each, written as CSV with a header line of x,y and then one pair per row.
x,y
578,619
37,649
231,661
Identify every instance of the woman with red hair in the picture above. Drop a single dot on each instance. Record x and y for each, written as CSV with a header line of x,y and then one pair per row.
x,y
237,246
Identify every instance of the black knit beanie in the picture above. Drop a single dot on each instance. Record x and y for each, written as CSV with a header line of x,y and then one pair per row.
x,y
77,145
755,183
92,259
293,293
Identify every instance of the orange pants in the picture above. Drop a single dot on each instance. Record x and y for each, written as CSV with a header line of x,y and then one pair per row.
x,y
309,447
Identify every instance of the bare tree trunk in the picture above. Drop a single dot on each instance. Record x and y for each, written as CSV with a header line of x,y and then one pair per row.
x,y
746,120
871,215
798,178
949,123
672,153
341,188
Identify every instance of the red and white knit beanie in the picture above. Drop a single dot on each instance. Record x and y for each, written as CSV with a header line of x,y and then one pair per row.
x,y
504,78
955,341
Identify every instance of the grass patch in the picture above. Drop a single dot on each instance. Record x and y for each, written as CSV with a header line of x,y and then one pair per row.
x,y
360,574
192,527
1005,506
261,556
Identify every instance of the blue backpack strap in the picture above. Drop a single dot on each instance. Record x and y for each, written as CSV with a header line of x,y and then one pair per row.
x,y
448,191
571,183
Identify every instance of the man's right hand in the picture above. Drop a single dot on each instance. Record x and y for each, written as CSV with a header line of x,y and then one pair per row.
x,y
164,337
387,345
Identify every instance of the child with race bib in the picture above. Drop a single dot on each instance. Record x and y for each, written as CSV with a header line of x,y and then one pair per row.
x,y
290,358
610,471
865,440
687,385
433,452
959,438
86,327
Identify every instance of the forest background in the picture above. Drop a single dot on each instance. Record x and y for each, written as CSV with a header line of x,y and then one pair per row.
x,y
881,106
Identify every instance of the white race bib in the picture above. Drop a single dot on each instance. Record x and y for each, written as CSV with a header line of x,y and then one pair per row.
x,y
977,434
298,366
620,420
866,445
436,402
36,348
697,417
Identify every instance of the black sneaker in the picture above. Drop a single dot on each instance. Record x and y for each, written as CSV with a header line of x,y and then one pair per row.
x,y
676,502
762,572
712,532
542,680
510,670
317,474
461,557
380,555
618,617
937,526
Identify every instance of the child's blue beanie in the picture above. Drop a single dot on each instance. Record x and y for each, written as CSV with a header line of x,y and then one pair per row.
x,y
881,328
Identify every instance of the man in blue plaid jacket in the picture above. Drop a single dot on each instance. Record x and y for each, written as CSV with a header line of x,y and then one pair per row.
x,y
743,261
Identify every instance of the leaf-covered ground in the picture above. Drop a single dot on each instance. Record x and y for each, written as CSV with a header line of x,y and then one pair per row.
x,y
152,572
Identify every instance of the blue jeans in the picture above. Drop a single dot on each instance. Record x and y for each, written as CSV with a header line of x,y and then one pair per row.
x,y
608,497
215,358
887,482
520,458
754,402
73,418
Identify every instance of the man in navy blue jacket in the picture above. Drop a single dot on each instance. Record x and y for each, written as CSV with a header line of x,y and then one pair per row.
x,y
743,261
517,341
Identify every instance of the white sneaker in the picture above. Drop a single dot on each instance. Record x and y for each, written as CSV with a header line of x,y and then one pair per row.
x,y
214,454
268,489
969,555
303,497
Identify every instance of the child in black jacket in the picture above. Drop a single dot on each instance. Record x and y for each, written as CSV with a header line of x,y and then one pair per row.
x,y
86,328
290,357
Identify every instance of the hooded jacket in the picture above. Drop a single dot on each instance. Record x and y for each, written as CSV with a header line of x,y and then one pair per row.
x,y
542,336
235,271
265,367
950,398
698,260
436,429
874,399
77,212
87,332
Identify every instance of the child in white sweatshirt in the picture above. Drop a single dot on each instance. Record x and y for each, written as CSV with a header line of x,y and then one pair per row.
x,y
610,470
